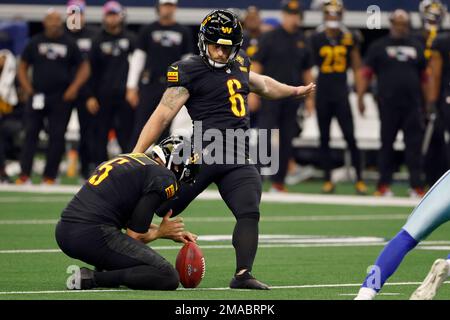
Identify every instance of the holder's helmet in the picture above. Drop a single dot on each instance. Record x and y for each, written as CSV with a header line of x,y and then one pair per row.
x,y
178,156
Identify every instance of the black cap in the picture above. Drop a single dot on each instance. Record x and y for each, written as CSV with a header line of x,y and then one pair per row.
x,y
291,6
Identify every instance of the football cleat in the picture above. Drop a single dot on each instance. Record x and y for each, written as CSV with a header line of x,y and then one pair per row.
x,y
328,187
247,281
383,191
361,188
48,181
4,178
23,180
416,193
81,279
278,188
438,274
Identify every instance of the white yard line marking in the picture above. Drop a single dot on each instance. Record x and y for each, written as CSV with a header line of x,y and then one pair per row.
x,y
266,197
307,244
275,218
343,285
379,294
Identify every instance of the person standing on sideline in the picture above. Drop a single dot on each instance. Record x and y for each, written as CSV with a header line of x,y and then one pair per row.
x,y
283,55
159,44
83,34
107,86
51,91
335,50
436,159
399,63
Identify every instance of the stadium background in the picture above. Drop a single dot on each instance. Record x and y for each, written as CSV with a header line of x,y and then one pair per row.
x,y
189,12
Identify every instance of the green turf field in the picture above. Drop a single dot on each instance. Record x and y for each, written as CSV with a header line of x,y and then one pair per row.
x,y
315,262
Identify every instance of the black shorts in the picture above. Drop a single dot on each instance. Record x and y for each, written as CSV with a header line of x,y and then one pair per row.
x,y
105,247
239,186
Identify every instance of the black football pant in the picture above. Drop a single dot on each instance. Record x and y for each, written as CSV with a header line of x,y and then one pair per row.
x,y
326,111
86,146
56,116
409,119
149,97
114,113
122,259
282,115
240,188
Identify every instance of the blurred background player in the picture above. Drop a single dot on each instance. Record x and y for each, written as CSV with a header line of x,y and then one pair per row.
x,y
8,100
432,13
335,50
159,44
83,34
252,25
399,63
52,90
430,213
284,56
90,228
107,85
439,98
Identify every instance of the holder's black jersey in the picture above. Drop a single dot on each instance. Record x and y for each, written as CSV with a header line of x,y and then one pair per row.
x,y
112,192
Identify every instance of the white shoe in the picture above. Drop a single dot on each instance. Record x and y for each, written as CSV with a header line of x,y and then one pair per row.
x,y
366,294
300,174
429,287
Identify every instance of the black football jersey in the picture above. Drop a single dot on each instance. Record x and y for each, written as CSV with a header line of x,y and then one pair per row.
x,y
426,39
442,45
399,65
218,97
112,192
333,58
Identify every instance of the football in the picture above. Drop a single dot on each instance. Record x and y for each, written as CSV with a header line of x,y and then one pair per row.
x,y
190,265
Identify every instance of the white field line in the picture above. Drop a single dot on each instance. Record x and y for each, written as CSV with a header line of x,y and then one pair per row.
x,y
423,246
266,197
343,285
379,294
374,217
36,199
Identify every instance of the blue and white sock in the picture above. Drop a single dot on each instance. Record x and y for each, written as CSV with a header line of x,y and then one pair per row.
x,y
389,260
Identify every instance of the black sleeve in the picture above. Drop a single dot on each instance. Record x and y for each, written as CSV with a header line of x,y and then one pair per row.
x,y
308,61
142,40
358,38
437,45
187,42
28,53
94,58
164,185
262,54
133,42
371,58
142,215
421,60
76,57
177,76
